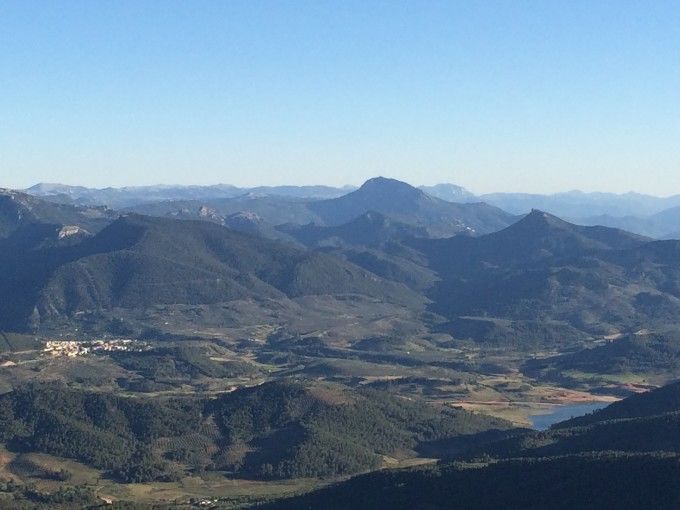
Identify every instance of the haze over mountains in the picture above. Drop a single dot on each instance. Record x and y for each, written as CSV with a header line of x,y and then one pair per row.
x,y
643,214
131,195
388,196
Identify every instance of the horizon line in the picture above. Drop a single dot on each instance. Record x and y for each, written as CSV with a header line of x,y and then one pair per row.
x,y
339,187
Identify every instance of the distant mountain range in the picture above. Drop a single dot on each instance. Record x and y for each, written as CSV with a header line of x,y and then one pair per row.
x,y
397,200
450,193
662,225
578,204
133,195
643,214
18,209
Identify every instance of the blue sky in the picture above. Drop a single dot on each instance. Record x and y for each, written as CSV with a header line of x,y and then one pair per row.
x,y
537,96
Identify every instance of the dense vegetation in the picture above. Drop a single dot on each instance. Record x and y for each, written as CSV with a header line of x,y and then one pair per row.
x,y
584,482
325,432
277,430
101,430
634,353
540,269
648,422
661,401
371,229
624,456
16,496
528,335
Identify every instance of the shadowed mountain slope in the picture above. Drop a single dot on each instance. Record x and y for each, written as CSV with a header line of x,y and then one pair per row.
x,y
624,482
544,268
538,236
141,261
371,229
372,241
652,403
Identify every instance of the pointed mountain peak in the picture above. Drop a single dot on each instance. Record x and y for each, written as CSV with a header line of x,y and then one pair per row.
x,y
542,230
539,227
538,220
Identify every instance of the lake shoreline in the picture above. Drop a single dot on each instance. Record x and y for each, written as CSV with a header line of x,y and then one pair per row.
x,y
562,412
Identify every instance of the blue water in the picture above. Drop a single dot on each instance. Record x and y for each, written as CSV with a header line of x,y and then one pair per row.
x,y
561,413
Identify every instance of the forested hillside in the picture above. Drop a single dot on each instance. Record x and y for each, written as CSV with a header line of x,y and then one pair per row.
x,y
139,262
277,430
624,456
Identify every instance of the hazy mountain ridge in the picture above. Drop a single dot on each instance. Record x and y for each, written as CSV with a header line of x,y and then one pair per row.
x,y
643,214
130,196
397,200
662,225
577,204
450,193
412,206
272,210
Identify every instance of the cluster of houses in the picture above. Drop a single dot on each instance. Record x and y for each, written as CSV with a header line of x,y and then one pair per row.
x,y
72,348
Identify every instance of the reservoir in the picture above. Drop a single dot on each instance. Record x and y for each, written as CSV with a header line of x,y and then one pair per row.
x,y
565,412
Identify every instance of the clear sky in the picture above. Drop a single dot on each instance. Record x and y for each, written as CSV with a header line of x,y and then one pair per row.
x,y
534,96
